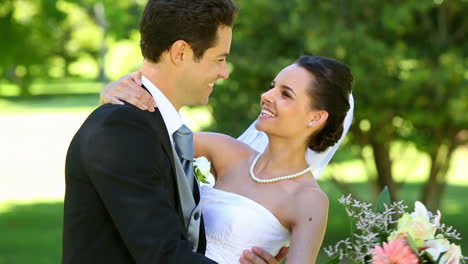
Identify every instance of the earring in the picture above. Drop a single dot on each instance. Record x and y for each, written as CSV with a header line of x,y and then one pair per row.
x,y
311,123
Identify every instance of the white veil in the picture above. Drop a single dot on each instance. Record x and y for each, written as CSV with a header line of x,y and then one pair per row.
x,y
258,140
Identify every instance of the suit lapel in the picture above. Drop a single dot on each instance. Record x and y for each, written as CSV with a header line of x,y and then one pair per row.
x,y
160,128
162,133
181,188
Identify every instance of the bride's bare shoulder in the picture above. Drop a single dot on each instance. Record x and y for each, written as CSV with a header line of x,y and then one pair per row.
x,y
223,143
310,199
220,148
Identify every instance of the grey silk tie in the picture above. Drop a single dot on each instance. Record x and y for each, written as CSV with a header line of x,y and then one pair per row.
x,y
183,139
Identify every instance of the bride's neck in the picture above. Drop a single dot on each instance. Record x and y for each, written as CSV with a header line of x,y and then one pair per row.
x,y
283,156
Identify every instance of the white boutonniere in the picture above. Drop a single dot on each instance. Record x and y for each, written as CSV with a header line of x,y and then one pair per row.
x,y
202,169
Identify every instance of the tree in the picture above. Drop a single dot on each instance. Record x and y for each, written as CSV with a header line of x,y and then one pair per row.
x,y
49,34
29,39
115,19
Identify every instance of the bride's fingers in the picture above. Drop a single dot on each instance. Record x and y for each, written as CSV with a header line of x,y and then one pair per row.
x,y
245,260
134,93
258,256
117,96
115,100
125,89
136,77
282,253
134,100
104,97
264,255
145,98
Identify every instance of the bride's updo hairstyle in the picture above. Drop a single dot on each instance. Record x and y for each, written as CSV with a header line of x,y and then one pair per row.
x,y
329,91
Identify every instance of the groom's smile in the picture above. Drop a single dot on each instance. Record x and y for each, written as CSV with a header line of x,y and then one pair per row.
x,y
212,66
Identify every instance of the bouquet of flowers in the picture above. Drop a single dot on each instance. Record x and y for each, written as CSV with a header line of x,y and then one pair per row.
x,y
388,234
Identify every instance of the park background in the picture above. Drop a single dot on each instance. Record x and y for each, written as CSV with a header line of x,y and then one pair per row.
x,y
410,129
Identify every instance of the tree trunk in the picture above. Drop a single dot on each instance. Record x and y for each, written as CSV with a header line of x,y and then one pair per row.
x,y
383,164
24,89
99,14
24,81
67,58
66,65
430,185
435,186
441,154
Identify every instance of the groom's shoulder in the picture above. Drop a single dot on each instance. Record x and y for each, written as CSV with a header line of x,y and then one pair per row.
x,y
114,108
119,112
120,116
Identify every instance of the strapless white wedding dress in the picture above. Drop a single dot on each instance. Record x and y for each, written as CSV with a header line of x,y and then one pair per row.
x,y
234,223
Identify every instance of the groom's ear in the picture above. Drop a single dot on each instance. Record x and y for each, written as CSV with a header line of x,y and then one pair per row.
x,y
179,52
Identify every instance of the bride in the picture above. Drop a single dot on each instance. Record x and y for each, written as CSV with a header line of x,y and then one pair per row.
x,y
265,193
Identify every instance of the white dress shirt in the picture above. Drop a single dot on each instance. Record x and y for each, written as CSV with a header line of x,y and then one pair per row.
x,y
171,117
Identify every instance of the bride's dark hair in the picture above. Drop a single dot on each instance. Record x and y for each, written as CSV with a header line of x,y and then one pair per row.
x,y
329,91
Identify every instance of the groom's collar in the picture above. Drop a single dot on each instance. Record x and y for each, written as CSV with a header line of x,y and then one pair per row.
x,y
171,117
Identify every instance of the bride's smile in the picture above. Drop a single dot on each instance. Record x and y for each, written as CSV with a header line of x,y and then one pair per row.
x,y
286,106
265,114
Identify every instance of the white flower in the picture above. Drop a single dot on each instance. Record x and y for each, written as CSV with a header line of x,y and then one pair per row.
x,y
435,247
203,165
452,256
202,169
437,219
420,211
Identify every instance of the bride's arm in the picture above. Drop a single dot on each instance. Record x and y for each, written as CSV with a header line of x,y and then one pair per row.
x,y
309,226
221,150
128,88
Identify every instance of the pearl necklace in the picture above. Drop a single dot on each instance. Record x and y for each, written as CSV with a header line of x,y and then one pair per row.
x,y
281,178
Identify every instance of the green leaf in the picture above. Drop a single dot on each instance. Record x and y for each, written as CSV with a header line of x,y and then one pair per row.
x,y
440,257
334,260
412,244
200,176
425,257
384,198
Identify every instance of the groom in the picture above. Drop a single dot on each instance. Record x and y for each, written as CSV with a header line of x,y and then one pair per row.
x,y
129,199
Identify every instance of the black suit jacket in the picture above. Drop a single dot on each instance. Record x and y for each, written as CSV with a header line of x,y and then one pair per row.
x,y
121,201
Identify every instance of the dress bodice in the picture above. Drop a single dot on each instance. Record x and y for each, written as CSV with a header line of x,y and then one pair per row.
x,y
234,223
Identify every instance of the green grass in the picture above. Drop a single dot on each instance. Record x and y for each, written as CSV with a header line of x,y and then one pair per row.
x,y
51,96
54,86
30,232
49,103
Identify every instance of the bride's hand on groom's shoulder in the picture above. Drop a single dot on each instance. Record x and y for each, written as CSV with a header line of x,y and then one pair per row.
x,y
128,88
259,256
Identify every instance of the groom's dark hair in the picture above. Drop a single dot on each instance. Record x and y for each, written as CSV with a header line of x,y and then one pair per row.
x,y
194,21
